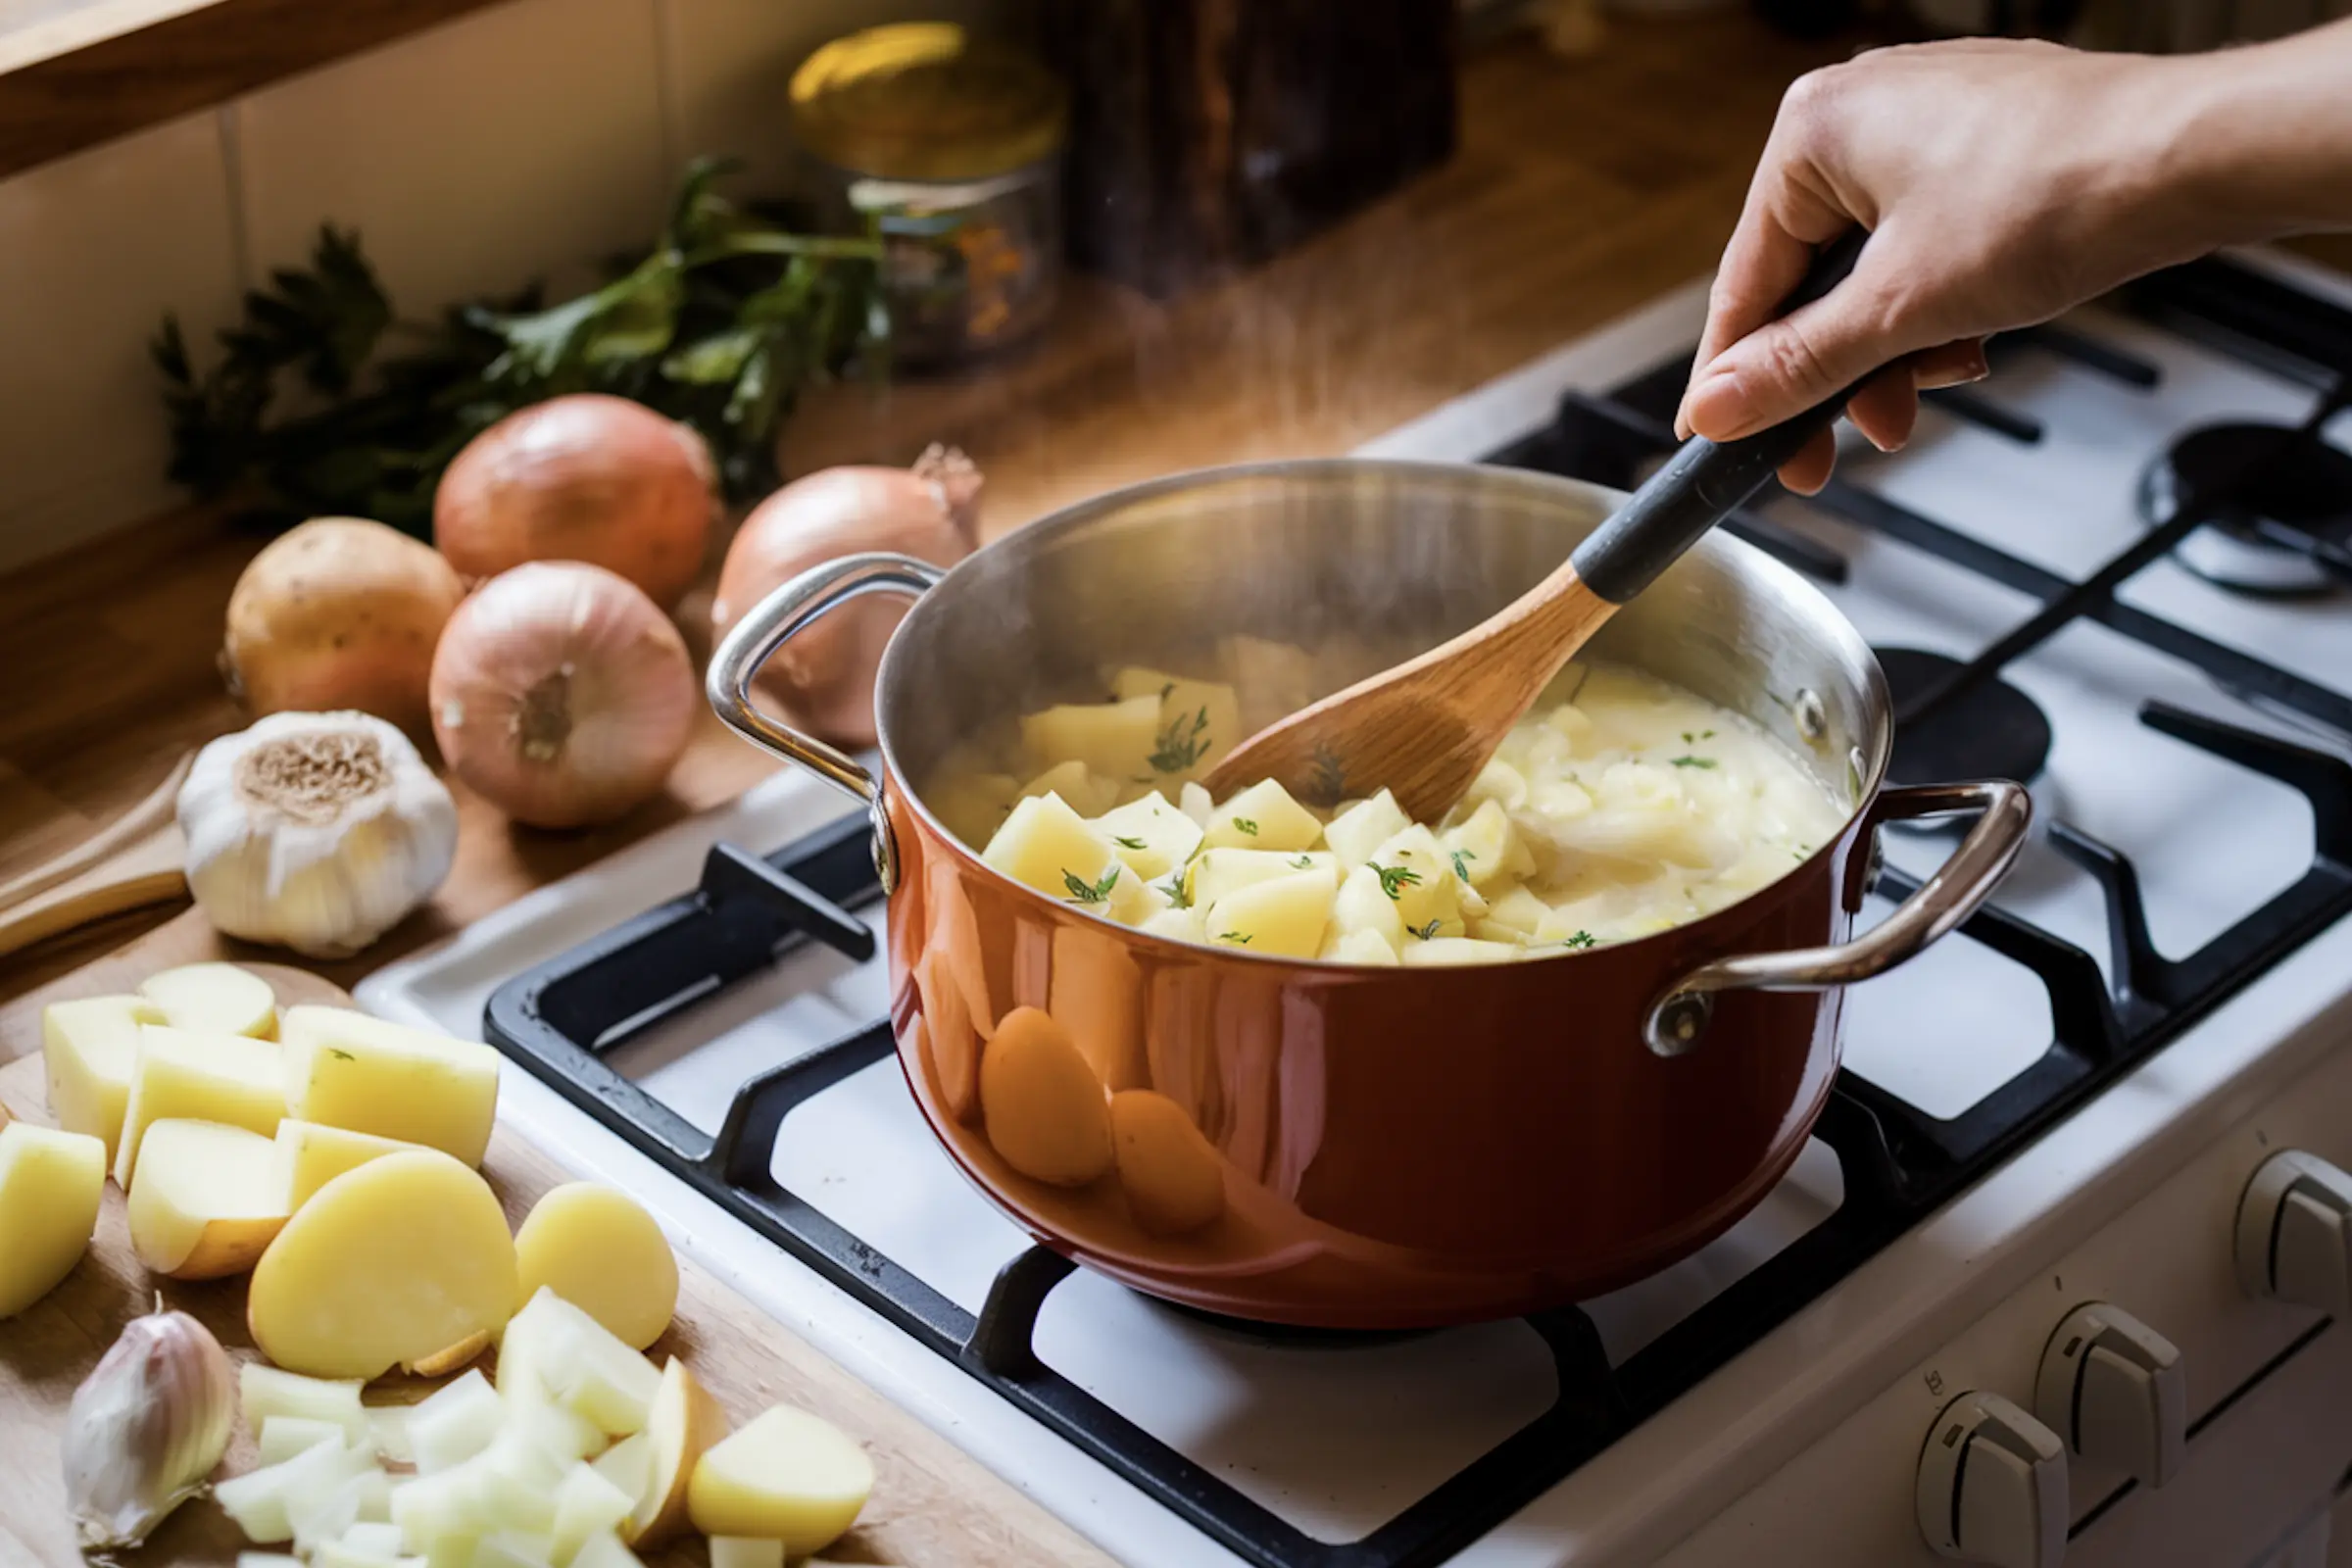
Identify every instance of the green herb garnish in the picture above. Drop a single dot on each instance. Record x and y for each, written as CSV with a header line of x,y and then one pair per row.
x,y
1461,859
1234,937
1245,825
1702,735
1427,933
1086,892
1394,879
1580,938
1180,745
1178,896
1128,843
722,325
1695,762
340,1055
1305,863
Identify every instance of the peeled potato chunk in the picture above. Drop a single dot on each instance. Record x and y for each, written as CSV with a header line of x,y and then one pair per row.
x,y
89,1048
349,1070
222,1078
205,1203
789,1476
1263,817
1150,835
214,999
50,1185
1114,740
597,1247
306,1157
390,1264
1173,1179
1043,1105
685,1424
1047,846
1285,917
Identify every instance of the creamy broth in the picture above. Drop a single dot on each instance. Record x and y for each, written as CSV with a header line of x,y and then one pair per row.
x,y
1623,805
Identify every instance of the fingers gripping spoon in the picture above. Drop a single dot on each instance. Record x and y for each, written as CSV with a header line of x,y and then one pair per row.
x,y
1425,729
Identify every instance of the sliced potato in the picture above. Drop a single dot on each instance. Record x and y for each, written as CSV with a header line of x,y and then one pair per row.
x,y
685,1422
308,1155
1172,1176
1047,846
51,1182
598,1249
389,1265
1046,1110
1285,917
1113,739
222,1078
346,1069
1263,817
206,1200
89,1048
214,999
788,1476
1150,835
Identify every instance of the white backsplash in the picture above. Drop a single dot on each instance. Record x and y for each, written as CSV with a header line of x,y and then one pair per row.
x,y
522,141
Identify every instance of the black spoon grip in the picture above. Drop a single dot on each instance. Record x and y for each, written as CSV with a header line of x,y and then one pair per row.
x,y
1703,482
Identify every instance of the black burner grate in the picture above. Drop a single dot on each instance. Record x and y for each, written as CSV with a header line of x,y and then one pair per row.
x,y
1897,1163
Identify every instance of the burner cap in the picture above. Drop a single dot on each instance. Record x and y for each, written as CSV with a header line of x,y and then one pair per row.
x,y
2308,488
1993,731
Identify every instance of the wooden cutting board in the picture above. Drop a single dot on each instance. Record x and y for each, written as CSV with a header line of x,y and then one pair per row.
x,y
932,1504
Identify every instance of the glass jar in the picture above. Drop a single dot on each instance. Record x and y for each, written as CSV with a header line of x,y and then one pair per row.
x,y
949,145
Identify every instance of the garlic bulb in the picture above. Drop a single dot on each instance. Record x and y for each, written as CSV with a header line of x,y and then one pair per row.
x,y
145,1428
317,831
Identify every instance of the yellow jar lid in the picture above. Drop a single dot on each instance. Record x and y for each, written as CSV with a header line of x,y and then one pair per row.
x,y
926,101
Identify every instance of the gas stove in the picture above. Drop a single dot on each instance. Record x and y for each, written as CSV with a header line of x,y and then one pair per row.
x,y
2121,569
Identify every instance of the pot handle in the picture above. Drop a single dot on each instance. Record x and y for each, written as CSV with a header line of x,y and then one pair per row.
x,y
765,627
1678,1019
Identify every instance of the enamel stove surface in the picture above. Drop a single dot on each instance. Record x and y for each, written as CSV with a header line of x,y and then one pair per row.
x,y
1807,1445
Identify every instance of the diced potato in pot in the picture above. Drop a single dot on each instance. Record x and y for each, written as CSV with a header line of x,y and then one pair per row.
x,y
1285,917
1486,847
1418,875
1150,835
50,1186
89,1048
1113,739
1364,904
974,805
1200,721
223,1078
598,1249
1356,834
214,999
1047,846
206,1200
1361,946
346,1069
788,1476
1445,952
1177,925
308,1155
1263,817
1087,793
390,1264
1217,873
1517,909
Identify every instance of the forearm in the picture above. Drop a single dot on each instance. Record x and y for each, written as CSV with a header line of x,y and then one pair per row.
x,y
2261,138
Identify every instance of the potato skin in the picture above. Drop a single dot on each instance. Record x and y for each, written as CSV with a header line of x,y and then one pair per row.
x,y
340,612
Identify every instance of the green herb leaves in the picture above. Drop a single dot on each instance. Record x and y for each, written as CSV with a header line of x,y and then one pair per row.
x,y
1580,940
1695,762
1244,825
721,325
1703,735
1237,938
1461,863
1127,843
1086,892
1305,863
1181,742
1429,932
1394,879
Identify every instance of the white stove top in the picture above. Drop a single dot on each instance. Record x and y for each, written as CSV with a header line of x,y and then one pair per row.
x,y
1337,1442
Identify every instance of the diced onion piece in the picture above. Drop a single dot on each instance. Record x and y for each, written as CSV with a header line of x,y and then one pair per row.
x,y
324,1513
587,1504
266,1391
389,1425
628,1464
604,1550
515,1549
267,1559
282,1437
789,1476
457,1423
553,1351
262,1501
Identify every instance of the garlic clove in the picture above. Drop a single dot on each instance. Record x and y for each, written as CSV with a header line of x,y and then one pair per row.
x,y
146,1428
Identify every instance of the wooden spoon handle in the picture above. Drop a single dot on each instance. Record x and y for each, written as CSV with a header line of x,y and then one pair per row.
x,y
1704,482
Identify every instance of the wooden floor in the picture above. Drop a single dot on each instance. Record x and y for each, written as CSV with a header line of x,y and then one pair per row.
x,y
1580,189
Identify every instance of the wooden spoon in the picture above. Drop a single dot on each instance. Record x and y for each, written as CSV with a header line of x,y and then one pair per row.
x,y
1425,729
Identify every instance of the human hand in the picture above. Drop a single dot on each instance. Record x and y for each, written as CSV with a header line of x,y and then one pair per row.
x,y
2002,182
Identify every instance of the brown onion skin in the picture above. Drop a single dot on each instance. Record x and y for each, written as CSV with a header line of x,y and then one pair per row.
x,y
517,634
581,477
339,613
823,678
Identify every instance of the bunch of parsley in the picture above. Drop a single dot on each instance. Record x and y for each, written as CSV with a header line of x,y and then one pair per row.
x,y
722,327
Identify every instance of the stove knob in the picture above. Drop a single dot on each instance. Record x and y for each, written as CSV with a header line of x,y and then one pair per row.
x,y
1993,1485
2114,1389
2294,1233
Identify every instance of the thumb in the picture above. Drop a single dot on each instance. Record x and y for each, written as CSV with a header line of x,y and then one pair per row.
x,y
1790,365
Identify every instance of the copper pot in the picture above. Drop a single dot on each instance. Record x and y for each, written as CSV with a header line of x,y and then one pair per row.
x,y
1320,1143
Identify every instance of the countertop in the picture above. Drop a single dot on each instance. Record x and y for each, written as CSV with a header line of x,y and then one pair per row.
x,y
1581,188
